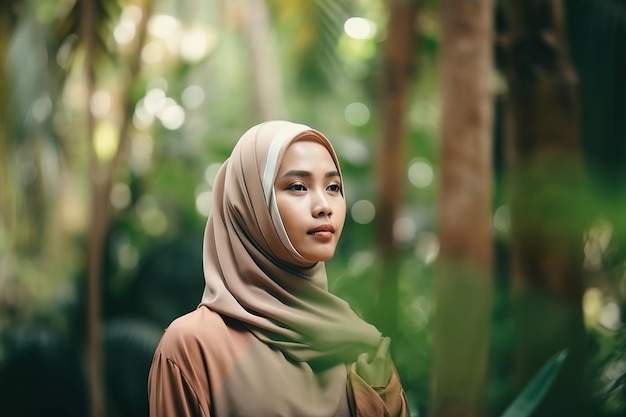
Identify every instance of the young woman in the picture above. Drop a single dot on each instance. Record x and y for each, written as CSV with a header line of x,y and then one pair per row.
x,y
268,339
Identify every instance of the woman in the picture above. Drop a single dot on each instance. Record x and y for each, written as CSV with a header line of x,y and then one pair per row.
x,y
268,339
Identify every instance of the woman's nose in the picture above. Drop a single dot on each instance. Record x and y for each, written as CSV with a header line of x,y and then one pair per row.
x,y
321,205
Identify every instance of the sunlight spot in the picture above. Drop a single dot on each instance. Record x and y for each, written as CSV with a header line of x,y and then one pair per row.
x,y
420,173
404,230
363,211
351,49
142,118
502,219
353,150
357,114
124,32
155,100
196,43
120,196
164,26
152,219
359,28
204,203
127,256
609,317
210,173
192,97
152,53
100,103
172,116
427,247
424,115
105,140
132,13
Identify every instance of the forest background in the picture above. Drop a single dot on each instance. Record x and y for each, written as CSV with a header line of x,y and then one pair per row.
x,y
482,145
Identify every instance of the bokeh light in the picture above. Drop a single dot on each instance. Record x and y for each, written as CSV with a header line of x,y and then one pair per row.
x,y
120,196
357,114
502,219
210,173
360,28
100,103
404,230
427,247
152,219
105,140
204,203
192,96
363,211
420,173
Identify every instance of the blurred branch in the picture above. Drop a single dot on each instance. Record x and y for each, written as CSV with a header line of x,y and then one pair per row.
x,y
8,19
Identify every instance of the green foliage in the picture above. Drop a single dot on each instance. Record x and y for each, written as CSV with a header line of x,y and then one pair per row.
x,y
535,390
152,264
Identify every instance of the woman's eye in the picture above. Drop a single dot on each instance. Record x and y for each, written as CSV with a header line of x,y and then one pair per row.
x,y
297,187
334,188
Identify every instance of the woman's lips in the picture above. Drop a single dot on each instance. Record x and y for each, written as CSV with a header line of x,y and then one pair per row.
x,y
323,232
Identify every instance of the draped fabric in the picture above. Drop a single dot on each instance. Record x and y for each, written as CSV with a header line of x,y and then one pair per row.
x,y
252,272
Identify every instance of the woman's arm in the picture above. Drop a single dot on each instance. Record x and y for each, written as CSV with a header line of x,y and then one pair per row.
x,y
169,393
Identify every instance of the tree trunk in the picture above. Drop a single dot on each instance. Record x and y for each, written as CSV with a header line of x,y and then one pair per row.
x,y
266,74
463,277
101,181
546,201
399,65
95,240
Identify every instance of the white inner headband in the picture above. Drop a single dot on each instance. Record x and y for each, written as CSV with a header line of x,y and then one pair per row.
x,y
269,174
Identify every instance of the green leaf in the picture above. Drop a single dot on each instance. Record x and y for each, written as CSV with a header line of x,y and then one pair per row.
x,y
536,389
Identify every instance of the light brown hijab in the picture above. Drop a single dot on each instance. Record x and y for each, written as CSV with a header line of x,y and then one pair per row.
x,y
252,272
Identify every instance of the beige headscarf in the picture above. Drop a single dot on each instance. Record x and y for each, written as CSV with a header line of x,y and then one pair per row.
x,y
252,272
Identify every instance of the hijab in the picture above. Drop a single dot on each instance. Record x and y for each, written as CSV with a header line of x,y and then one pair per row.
x,y
252,272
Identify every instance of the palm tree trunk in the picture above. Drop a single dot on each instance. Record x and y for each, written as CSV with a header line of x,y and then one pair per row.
x,y
399,63
546,199
463,278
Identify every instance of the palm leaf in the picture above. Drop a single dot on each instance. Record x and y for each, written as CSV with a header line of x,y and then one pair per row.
x,y
535,390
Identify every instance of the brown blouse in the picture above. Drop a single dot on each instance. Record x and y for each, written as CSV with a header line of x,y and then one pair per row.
x,y
207,366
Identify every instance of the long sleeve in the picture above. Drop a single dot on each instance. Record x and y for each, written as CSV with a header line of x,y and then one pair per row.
x,y
368,401
169,393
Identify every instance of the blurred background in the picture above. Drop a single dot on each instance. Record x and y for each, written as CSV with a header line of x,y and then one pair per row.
x,y
483,148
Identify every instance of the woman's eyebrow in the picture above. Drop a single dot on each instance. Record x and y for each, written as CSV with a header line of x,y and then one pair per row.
x,y
302,173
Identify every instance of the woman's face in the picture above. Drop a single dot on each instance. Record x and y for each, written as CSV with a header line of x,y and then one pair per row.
x,y
309,196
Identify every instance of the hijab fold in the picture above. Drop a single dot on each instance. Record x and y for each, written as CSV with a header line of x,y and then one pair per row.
x,y
253,273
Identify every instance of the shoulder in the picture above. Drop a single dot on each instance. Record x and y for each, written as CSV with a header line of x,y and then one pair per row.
x,y
191,333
